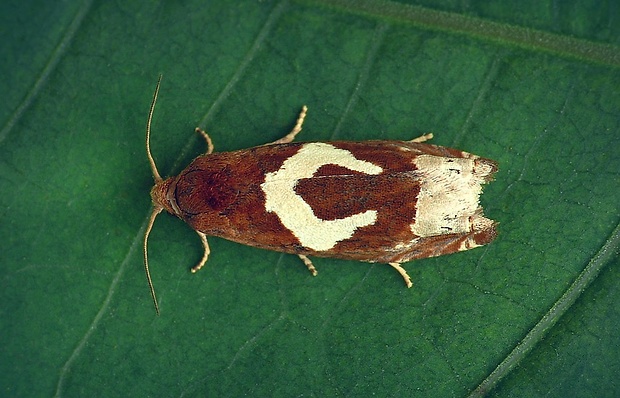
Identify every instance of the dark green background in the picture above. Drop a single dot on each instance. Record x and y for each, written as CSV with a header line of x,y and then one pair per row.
x,y
531,84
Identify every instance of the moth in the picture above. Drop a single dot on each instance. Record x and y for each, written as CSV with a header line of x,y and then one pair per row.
x,y
374,201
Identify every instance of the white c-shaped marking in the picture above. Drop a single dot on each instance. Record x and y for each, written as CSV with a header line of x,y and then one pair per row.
x,y
297,215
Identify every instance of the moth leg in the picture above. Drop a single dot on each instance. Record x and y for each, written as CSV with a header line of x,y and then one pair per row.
x,y
309,264
205,256
207,138
402,273
422,138
291,136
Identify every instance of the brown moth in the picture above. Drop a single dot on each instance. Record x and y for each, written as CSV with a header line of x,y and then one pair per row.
x,y
374,201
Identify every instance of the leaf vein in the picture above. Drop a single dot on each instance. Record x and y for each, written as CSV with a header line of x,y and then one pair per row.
x,y
66,368
55,57
527,344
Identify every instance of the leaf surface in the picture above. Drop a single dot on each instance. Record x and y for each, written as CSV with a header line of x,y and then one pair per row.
x,y
533,86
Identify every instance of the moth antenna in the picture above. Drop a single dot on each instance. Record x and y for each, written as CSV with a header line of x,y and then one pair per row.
x,y
156,175
157,208
154,214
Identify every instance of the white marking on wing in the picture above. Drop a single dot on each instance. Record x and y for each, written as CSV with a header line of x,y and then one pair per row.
x,y
448,199
297,215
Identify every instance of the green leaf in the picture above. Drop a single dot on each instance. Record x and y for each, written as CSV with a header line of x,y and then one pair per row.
x,y
533,85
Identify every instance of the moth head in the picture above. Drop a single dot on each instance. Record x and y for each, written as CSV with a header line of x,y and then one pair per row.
x,y
161,197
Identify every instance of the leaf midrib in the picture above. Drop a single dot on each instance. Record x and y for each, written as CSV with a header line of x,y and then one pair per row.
x,y
531,39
